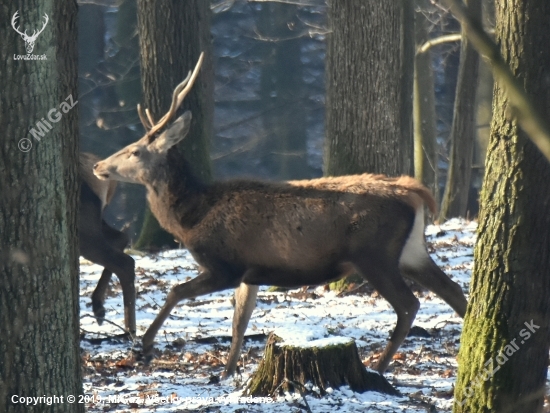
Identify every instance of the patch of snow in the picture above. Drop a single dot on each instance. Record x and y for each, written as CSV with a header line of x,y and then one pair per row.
x,y
194,341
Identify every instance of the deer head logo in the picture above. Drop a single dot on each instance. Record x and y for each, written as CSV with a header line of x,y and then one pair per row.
x,y
29,40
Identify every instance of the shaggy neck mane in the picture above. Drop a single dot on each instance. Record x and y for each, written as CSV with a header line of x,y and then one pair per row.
x,y
175,194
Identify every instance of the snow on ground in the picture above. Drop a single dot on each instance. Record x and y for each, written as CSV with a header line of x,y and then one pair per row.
x,y
193,343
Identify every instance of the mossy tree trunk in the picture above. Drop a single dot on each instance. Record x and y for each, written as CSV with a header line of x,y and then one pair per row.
x,y
503,357
39,346
463,130
369,81
172,36
285,366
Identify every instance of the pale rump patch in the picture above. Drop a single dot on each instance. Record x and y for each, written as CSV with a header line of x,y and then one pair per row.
x,y
414,253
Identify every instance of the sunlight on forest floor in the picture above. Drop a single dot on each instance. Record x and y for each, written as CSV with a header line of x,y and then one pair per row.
x,y
192,345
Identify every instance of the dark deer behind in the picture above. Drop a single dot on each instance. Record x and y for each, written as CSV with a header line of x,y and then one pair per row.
x,y
246,233
103,244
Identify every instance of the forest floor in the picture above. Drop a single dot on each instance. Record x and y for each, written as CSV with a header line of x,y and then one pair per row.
x,y
192,345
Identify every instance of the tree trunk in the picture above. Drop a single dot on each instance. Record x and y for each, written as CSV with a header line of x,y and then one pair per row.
x,y
506,330
327,365
463,130
172,36
39,346
370,64
370,68
425,154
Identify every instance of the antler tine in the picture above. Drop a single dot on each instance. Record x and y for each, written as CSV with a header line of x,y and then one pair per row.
x,y
189,85
174,105
143,119
145,115
149,116
178,95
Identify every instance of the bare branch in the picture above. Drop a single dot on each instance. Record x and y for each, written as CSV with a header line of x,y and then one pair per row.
x,y
448,38
293,2
455,37
528,116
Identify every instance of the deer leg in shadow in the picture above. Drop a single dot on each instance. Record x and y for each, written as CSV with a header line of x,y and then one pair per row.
x,y
209,281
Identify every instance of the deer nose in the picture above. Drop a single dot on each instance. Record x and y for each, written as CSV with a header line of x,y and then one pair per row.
x,y
95,166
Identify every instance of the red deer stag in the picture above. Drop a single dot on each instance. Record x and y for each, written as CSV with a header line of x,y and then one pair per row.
x,y
102,244
248,233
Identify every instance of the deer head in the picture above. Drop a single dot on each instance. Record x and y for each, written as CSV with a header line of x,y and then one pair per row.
x,y
135,162
29,40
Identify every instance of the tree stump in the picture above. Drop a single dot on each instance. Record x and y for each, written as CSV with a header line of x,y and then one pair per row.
x,y
324,363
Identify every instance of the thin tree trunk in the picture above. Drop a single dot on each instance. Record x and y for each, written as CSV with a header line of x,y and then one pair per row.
x,y
172,36
425,158
39,346
463,131
506,329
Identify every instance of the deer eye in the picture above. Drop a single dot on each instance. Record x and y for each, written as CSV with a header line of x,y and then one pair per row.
x,y
135,152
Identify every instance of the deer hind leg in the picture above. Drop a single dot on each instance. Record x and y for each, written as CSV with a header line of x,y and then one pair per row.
x,y
387,280
416,264
119,241
245,302
114,260
430,276
209,281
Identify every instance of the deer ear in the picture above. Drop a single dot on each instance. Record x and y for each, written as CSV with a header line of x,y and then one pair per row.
x,y
174,134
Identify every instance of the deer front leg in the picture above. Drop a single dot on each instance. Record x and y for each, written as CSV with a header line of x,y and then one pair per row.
x,y
245,301
206,283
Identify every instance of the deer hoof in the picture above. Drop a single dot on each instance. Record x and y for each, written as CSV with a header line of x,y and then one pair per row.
x,y
144,357
99,312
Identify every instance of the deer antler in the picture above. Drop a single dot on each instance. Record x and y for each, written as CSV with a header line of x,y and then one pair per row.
x,y
143,118
178,95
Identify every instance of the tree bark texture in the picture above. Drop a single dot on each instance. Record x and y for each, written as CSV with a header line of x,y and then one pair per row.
x,y
503,355
284,366
39,343
369,65
172,36
463,130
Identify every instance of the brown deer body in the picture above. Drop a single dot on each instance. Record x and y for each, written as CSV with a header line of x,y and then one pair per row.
x,y
247,233
103,244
